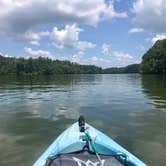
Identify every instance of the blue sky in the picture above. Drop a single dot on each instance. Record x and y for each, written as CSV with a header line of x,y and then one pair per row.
x,y
103,33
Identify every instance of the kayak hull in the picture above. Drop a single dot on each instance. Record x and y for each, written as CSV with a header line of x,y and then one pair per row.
x,y
71,140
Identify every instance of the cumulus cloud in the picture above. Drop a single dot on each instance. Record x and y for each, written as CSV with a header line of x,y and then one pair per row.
x,y
105,49
83,45
94,58
116,59
122,55
66,37
98,60
110,12
150,15
123,59
18,16
69,38
38,53
158,37
136,30
34,37
77,57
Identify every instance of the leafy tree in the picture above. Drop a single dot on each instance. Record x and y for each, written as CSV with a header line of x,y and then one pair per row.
x,y
134,68
43,66
154,60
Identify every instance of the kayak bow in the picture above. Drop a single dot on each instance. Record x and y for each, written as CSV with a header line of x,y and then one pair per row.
x,y
74,142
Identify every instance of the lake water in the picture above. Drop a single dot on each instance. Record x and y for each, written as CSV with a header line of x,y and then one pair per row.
x,y
130,108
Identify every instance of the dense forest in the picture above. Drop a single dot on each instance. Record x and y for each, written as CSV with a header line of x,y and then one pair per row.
x,y
134,68
154,60
43,66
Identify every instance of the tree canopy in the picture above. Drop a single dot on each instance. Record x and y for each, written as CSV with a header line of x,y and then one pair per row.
x,y
43,66
133,68
154,60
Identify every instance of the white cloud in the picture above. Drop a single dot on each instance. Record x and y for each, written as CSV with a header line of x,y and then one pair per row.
x,y
34,37
33,42
116,59
158,37
61,38
122,55
105,49
69,38
136,30
83,45
94,58
122,59
18,16
38,53
150,15
98,61
77,57
110,12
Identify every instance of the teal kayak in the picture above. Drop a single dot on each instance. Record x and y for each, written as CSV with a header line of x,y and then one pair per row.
x,y
83,145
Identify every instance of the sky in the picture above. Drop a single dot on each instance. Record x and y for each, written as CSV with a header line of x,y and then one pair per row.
x,y
106,33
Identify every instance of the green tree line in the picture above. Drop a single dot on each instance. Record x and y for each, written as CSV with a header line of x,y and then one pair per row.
x,y
154,60
133,68
43,66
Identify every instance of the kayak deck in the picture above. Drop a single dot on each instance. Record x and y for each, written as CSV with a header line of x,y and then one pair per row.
x,y
72,140
82,158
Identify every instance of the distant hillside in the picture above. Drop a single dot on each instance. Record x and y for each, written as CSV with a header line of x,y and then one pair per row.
x,y
43,66
134,68
154,60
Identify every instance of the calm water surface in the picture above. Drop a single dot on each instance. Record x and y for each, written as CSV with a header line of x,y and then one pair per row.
x,y
129,108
